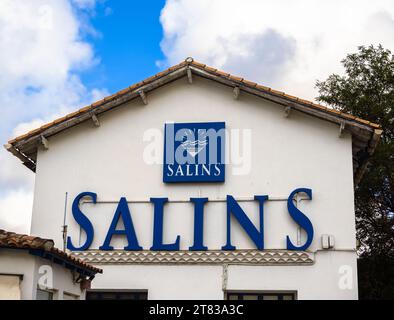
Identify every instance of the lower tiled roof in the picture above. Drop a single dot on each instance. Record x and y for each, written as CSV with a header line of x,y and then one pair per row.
x,y
12,240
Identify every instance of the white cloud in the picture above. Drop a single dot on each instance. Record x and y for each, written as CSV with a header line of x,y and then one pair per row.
x,y
285,44
13,175
23,127
89,4
15,211
41,53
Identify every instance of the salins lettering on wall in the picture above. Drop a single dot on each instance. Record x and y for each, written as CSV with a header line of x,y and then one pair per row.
x,y
194,152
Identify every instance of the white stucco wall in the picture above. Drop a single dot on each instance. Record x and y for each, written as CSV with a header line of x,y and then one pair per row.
x,y
18,262
323,280
287,153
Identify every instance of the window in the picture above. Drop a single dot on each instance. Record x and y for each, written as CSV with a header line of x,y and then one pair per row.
x,y
10,287
261,296
44,295
117,295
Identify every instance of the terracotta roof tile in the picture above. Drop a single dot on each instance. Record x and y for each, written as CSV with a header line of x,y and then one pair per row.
x,y
332,110
24,135
59,119
222,73
210,69
84,109
136,85
236,78
97,103
22,241
112,96
34,131
318,106
47,125
12,240
71,115
349,116
280,93
161,73
123,91
304,101
292,97
249,83
259,86
196,64
364,121
150,79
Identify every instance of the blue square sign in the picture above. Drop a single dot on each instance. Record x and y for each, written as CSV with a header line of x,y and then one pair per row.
x,y
194,152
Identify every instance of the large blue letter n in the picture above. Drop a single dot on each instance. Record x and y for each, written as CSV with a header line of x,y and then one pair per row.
x,y
256,235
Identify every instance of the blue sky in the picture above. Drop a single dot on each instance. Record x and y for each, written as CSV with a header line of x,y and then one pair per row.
x,y
128,44
59,55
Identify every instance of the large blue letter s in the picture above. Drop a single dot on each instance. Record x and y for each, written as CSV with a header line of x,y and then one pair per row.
x,y
83,221
301,219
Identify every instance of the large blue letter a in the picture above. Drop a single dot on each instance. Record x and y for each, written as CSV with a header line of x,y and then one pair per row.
x,y
122,211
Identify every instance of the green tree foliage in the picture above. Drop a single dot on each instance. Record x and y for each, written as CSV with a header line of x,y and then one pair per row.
x,y
366,90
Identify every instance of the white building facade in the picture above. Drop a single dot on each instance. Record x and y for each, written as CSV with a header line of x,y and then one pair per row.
x,y
274,145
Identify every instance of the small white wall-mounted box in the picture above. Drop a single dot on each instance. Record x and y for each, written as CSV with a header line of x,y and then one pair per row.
x,y
331,241
327,241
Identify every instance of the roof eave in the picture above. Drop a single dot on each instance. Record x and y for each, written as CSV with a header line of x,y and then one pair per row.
x,y
366,133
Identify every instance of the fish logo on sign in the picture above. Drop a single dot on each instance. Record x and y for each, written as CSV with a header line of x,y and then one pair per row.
x,y
194,152
194,147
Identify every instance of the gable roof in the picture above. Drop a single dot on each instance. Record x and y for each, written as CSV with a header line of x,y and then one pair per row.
x,y
365,134
45,248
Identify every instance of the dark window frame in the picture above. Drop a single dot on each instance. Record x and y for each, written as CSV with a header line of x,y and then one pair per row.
x,y
116,294
50,293
260,294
